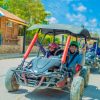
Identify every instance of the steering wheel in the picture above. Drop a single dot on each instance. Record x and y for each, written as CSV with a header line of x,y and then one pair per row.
x,y
58,52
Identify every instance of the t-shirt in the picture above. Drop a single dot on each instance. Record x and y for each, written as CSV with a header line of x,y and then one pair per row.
x,y
77,60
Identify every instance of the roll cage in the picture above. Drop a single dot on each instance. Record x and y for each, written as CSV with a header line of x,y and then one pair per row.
x,y
56,29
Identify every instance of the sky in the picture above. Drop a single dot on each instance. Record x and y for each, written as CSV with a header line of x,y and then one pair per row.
x,y
75,12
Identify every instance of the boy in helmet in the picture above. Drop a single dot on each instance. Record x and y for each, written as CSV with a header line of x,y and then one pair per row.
x,y
73,63
74,59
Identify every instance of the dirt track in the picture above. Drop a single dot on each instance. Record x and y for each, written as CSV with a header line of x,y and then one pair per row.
x,y
92,92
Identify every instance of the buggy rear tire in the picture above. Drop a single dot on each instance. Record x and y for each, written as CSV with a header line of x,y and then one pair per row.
x,y
77,88
85,73
10,81
99,67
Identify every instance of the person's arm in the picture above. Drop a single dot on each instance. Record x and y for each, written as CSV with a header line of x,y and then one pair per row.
x,y
41,48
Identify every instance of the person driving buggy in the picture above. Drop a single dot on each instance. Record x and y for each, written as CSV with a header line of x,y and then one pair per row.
x,y
52,48
95,48
73,61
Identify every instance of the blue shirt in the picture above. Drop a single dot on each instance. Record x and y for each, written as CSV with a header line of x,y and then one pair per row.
x,y
77,60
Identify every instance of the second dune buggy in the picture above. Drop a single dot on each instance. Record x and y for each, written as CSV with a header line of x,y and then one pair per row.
x,y
92,58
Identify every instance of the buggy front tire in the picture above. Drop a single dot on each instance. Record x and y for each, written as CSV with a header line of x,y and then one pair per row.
x,y
10,81
77,88
85,73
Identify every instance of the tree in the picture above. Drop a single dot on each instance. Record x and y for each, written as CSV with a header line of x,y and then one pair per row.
x,y
32,11
2,4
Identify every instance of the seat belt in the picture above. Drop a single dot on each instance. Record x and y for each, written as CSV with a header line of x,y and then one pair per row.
x,y
72,59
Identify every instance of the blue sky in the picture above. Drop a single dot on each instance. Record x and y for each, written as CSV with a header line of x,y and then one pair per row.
x,y
77,12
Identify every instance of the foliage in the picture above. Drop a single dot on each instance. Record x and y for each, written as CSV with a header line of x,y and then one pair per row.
x,y
57,40
48,39
1,3
32,11
29,36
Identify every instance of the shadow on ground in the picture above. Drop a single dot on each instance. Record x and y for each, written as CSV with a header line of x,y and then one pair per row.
x,y
20,91
91,93
94,71
47,94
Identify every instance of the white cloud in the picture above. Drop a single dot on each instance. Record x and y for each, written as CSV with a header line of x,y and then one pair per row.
x,y
70,17
76,18
52,20
80,19
94,30
91,23
79,8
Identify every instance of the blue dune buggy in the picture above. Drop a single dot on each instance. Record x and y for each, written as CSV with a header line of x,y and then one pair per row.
x,y
92,58
43,72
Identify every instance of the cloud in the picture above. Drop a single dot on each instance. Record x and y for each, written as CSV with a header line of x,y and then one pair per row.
x,y
52,20
80,8
91,23
80,19
94,30
76,18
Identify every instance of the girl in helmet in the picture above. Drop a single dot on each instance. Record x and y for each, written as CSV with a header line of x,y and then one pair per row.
x,y
52,49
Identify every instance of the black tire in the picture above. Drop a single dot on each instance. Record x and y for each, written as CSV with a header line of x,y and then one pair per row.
x,y
85,73
98,63
99,69
10,81
77,88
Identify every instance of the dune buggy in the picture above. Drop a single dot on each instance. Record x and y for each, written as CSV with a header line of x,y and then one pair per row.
x,y
92,58
43,72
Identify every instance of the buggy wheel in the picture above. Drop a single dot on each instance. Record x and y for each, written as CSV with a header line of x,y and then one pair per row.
x,y
77,88
99,68
10,81
85,73
98,63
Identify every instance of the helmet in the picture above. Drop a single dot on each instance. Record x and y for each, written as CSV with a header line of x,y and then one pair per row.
x,y
74,43
53,45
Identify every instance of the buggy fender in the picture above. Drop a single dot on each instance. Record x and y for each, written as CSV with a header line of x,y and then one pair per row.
x,y
63,60
31,46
